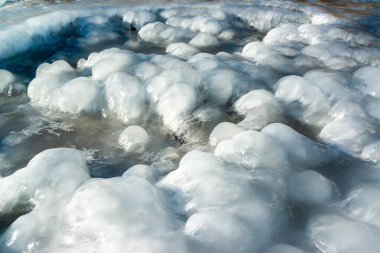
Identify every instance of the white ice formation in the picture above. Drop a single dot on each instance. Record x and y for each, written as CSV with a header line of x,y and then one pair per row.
x,y
241,127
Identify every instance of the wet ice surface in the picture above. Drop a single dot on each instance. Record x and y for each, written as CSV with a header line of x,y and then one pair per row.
x,y
203,127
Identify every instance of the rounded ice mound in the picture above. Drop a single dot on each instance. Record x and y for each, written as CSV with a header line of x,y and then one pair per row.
x,y
121,61
303,99
157,86
258,51
371,152
301,150
332,56
336,234
146,70
56,67
143,171
350,135
370,78
332,85
9,84
176,103
224,131
260,108
125,97
310,188
204,40
203,22
363,205
206,62
6,78
47,172
204,185
253,150
284,35
220,84
284,248
112,215
42,90
138,18
134,139
80,95
206,234
39,192
181,49
161,34
324,19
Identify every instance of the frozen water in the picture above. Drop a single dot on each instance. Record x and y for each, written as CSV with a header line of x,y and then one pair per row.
x,y
198,127
310,188
134,139
224,131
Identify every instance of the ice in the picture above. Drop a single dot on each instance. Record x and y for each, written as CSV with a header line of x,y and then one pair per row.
x,y
369,77
42,90
304,100
210,191
260,108
310,188
9,84
220,85
224,131
362,204
181,49
104,215
284,248
44,174
205,127
146,70
159,33
139,18
143,171
39,191
301,150
211,22
253,150
175,103
6,78
333,56
336,234
333,85
324,19
350,135
117,62
258,51
166,162
80,95
371,152
134,139
268,56
204,40
207,234
265,18
125,97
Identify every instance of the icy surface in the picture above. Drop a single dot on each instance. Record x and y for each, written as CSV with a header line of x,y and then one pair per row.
x,y
189,127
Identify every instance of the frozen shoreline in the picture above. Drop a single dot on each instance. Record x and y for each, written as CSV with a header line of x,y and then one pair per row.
x,y
198,128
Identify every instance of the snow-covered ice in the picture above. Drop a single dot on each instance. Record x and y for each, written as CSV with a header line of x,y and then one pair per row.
x,y
189,127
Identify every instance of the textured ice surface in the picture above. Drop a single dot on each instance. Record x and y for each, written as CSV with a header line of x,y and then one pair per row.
x,y
134,139
197,127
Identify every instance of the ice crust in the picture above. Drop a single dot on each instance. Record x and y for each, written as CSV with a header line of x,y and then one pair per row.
x,y
240,127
